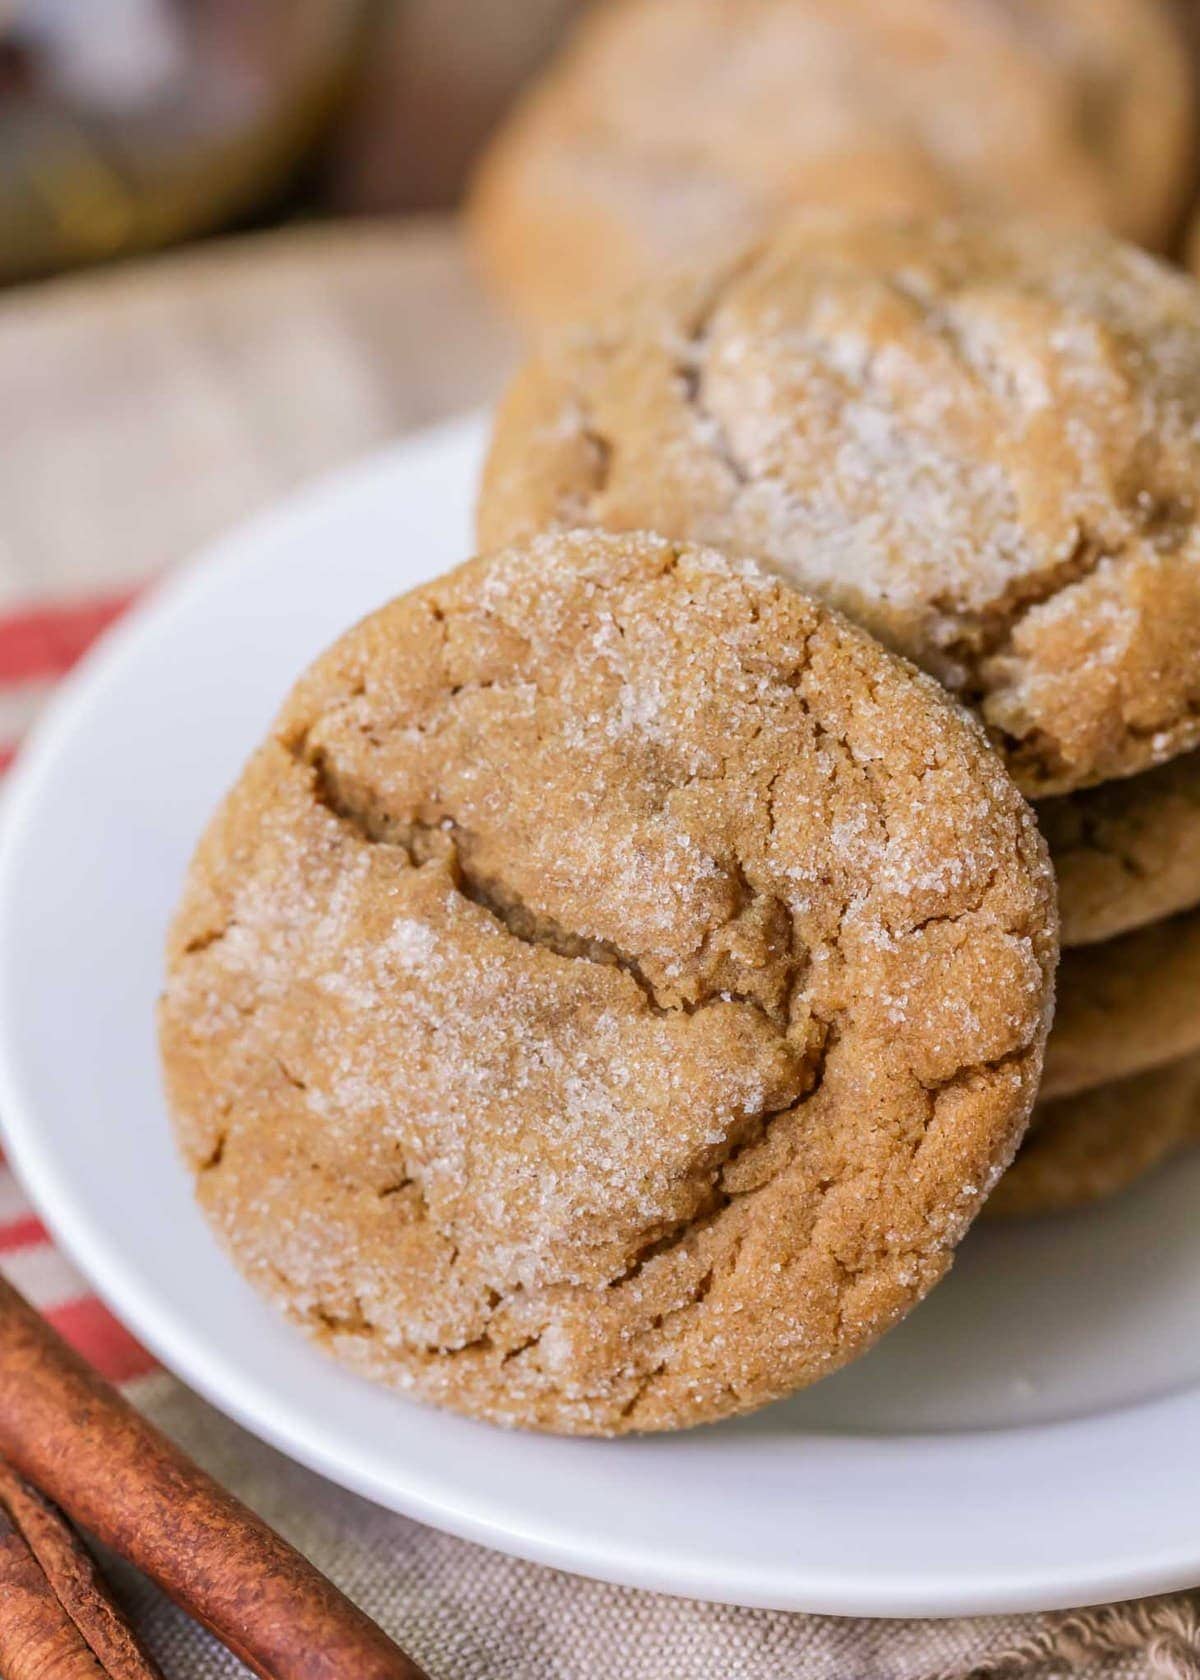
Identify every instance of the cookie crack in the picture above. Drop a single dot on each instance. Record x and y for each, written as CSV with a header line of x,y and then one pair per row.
x,y
720,1197
205,941
600,460
216,1154
357,1322
352,1323
355,807
1039,751
577,505
529,928
407,1182
967,1074
956,917
448,841
984,636
289,1076
641,1389
691,372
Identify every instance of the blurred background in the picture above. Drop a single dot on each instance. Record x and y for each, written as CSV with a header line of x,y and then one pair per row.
x,y
129,124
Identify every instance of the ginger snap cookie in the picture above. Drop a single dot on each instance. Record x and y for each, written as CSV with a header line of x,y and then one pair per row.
x,y
1128,1005
609,994
980,440
669,131
1086,1148
1126,853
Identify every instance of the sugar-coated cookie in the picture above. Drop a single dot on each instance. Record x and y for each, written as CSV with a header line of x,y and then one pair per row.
x,y
1086,1148
1126,853
607,997
670,130
980,439
1130,1004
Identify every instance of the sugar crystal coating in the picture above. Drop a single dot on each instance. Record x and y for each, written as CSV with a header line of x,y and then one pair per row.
x,y
979,439
606,997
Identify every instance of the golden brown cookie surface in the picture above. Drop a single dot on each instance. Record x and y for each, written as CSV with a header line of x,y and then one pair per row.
x,y
1086,1148
1127,853
671,130
1192,246
607,997
876,410
1125,1006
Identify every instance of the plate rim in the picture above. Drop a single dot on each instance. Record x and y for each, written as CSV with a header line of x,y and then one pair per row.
x,y
207,1369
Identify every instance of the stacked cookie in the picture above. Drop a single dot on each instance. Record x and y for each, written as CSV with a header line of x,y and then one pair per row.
x,y
1122,1085
671,130
982,442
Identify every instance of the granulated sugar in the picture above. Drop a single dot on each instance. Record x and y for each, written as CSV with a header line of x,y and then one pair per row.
x,y
875,411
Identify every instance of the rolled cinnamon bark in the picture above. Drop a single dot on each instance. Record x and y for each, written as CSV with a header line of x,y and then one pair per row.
x,y
38,1640
71,1581
74,1437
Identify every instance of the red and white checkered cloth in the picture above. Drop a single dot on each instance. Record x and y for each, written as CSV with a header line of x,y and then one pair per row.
x,y
38,646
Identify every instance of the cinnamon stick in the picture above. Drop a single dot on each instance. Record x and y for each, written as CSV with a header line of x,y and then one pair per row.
x,y
74,1437
38,1640
71,1584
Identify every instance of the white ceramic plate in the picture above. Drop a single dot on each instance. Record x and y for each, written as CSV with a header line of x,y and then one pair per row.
x,y
1029,1439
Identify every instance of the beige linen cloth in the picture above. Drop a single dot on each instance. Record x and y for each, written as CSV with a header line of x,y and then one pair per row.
x,y
469,1614
156,406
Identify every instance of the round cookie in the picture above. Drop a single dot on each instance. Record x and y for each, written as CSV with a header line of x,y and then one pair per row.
x,y
669,131
1125,1006
876,410
1126,853
1086,1148
607,997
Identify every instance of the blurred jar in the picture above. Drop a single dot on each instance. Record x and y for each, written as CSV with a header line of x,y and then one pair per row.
x,y
126,124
